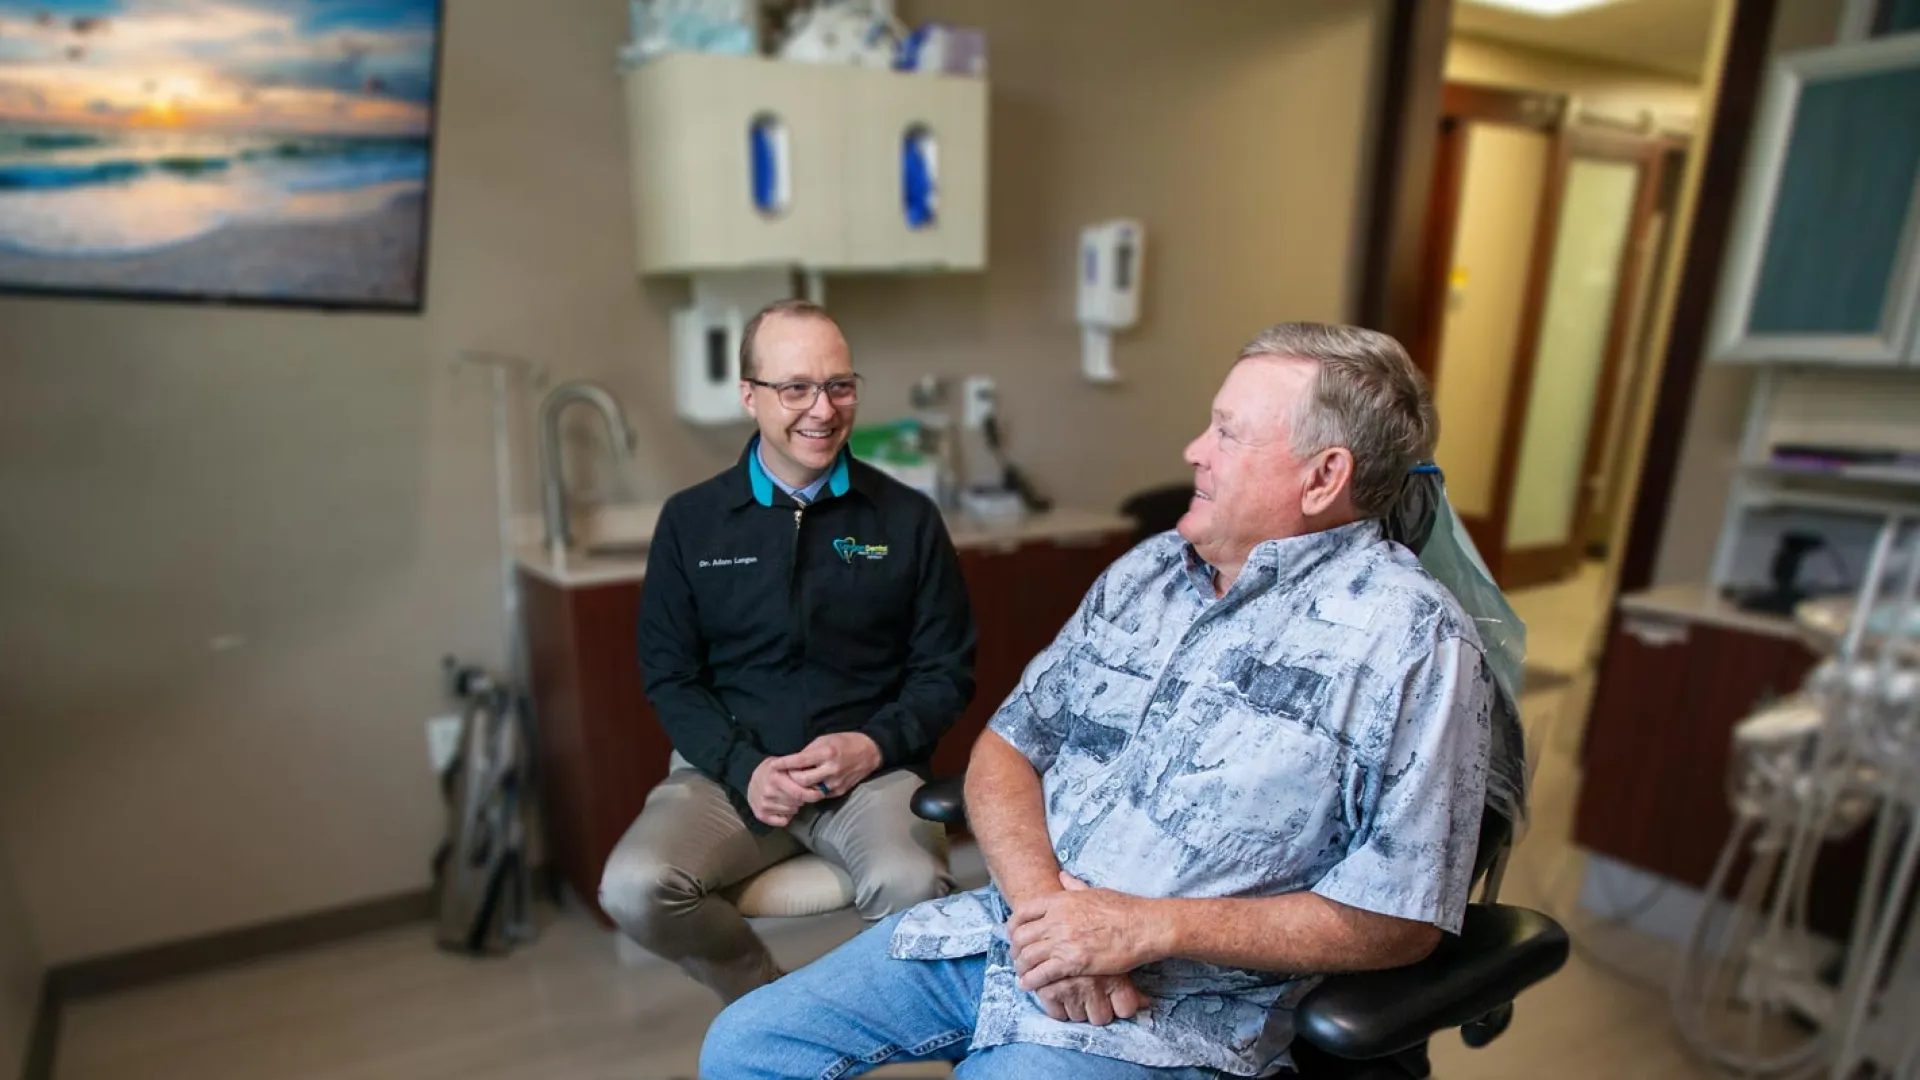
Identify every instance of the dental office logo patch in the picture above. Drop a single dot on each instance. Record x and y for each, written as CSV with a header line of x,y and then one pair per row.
x,y
849,548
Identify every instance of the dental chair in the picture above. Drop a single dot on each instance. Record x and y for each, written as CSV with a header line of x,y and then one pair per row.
x,y
1375,1025
1157,509
803,885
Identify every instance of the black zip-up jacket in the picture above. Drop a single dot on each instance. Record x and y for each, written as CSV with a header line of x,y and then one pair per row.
x,y
764,625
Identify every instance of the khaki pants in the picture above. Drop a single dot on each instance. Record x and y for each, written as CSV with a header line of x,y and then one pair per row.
x,y
688,844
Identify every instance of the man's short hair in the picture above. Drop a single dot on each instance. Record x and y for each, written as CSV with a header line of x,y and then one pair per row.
x,y
1366,396
804,309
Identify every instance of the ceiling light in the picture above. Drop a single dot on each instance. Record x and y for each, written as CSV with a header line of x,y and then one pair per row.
x,y
1546,9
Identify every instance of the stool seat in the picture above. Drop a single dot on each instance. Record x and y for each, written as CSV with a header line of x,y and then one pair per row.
x,y
803,885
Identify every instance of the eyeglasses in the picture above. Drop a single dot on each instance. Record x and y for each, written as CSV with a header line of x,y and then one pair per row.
x,y
800,394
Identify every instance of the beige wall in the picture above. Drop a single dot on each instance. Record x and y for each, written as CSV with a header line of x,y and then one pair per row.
x,y
19,976
1188,117
242,539
1596,82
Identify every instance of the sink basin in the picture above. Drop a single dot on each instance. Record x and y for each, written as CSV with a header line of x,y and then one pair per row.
x,y
620,531
616,549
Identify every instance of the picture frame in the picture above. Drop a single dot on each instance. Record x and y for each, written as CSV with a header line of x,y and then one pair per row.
x,y
248,152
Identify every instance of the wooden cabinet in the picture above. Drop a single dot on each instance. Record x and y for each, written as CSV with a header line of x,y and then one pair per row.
x,y
737,161
1021,598
601,744
1658,747
941,120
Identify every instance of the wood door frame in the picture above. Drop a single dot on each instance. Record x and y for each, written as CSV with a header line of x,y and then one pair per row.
x,y
1617,482
1519,568
1412,74
1462,105
1443,222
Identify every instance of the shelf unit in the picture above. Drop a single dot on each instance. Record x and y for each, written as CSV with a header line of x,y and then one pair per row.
x,y
1889,475
1873,494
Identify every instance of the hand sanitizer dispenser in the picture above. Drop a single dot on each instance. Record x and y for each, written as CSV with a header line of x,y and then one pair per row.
x,y
706,366
705,340
1110,265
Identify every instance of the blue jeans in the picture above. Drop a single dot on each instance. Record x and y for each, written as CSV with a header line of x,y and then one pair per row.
x,y
857,1008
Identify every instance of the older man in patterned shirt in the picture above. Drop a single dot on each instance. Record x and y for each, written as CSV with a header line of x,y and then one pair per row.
x,y
1257,753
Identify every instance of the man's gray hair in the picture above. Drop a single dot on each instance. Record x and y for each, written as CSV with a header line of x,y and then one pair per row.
x,y
1366,396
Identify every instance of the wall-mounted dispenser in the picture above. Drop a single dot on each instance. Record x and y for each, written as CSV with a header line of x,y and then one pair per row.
x,y
706,340
1111,257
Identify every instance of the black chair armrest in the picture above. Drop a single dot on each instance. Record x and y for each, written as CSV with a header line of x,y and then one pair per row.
x,y
943,800
1499,952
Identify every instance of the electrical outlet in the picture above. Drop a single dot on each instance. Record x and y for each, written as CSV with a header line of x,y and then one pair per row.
x,y
978,399
443,741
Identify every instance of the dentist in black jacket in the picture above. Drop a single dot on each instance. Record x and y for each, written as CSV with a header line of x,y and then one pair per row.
x,y
806,639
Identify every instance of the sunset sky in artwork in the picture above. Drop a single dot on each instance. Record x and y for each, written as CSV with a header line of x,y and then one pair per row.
x,y
351,67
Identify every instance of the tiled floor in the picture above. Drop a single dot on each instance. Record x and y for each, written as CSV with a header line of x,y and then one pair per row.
x,y
390,1007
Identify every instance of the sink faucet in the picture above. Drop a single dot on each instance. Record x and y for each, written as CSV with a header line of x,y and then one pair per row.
x,y
553,487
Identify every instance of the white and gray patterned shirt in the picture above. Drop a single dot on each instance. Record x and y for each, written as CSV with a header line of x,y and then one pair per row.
x,y
1323,726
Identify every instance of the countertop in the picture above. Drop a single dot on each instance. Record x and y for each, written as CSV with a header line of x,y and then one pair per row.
x,y
1700,604
610,545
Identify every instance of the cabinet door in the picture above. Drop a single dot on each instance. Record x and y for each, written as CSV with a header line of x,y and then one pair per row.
x,y
905,130
1825,259
1021,598
1653,792
992,576
1055,578
601,746
1659,738
698,124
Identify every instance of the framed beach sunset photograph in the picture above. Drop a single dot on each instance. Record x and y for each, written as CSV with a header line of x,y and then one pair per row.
x,y
235,151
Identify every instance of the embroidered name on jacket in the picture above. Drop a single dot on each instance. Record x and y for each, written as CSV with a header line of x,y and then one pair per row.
x,y
740,560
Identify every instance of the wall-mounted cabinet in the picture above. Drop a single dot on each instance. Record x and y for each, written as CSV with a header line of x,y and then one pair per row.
x,y
916,171
736,162
1825,260
744,162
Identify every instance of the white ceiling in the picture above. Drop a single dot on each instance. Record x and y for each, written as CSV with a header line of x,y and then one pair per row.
x,y
1663,35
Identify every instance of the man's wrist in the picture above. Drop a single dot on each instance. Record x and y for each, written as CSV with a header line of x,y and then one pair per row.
x,y
1159,927
740,767
1029,887
878,751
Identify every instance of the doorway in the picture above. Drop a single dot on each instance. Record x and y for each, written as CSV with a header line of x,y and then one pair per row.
x,y
1542,238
